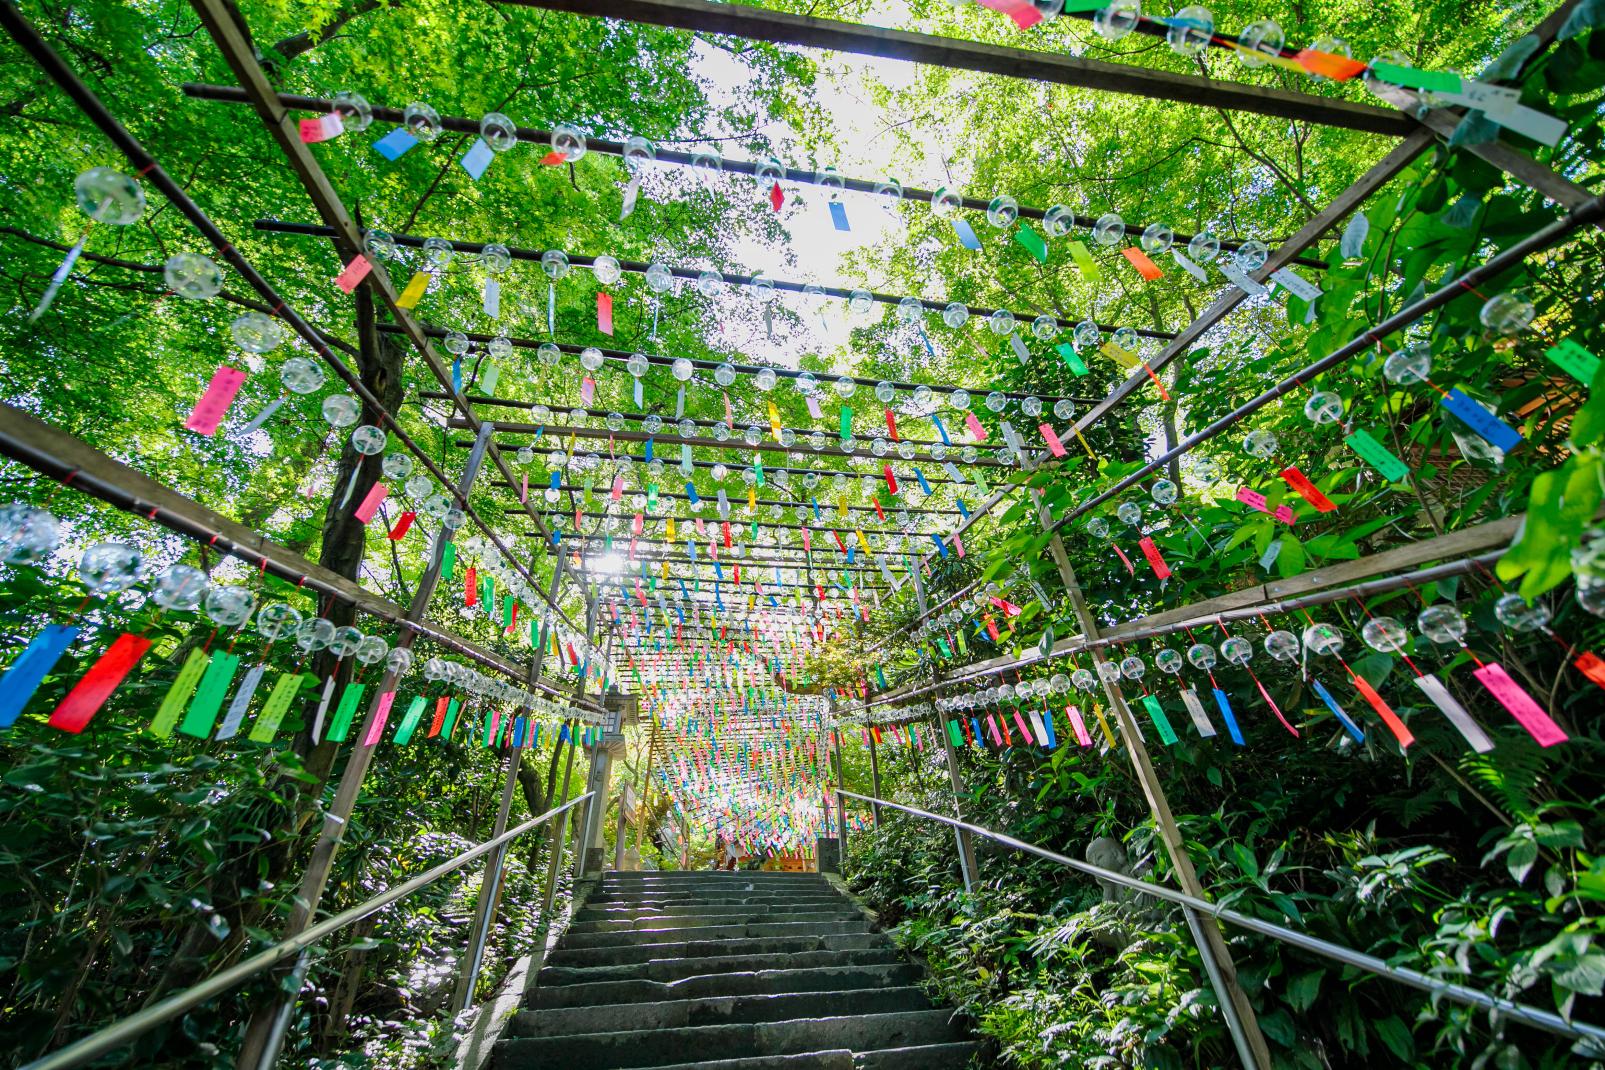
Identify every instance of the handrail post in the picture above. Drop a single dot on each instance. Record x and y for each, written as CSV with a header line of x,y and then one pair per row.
x,y
1217,958
490,884
554,863
841,803
967,869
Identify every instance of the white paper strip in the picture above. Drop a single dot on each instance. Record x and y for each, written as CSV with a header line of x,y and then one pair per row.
x,y
1434,690
241,703
1195,710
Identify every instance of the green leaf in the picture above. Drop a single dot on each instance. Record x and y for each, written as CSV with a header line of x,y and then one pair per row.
x,y
1302,990
1396,1035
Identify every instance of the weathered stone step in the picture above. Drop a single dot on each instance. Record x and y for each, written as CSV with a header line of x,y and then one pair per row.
x,y
665,1047
625,908
672,969
955,1055
728,895
775,946
739,983
604,924
669,934
716,1010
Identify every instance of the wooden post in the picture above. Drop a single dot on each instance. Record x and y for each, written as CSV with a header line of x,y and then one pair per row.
x,y
255,1043
1217,958
874,777
490,884
967,868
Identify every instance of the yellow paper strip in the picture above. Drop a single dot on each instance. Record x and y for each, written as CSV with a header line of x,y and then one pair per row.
x,y
415,290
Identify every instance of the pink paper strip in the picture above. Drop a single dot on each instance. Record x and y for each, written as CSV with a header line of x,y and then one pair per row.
x,y
322,128
618,488
1024,731
977,432
604,313
214,403
958,544
382,714
370,502
1124,560
1051,437
354,273
1520,704
813,407
1079,725
1256,501
523,492
1024,13
587,388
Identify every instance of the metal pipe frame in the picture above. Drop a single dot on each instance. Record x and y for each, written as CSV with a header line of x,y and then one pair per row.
x,y
1548,1021
639,267
229,94
113,1036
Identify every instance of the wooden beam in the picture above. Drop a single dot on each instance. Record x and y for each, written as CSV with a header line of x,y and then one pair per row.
x,y
779,27
55,453
227,28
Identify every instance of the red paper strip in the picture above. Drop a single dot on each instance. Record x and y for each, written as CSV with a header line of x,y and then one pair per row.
x,y
991,627
90,694
977,432
1266,695
1591,666
470,587
1139,260
1327,65
1164,395
604,313
891,425
1520,704
403,523
353,274
1151,552
1051,437
215,401
440,716
552,159
1124,559
1023,12
725,524
839,543
377,729
876,502
776,197
891,480
1307,490
1400,731
370,502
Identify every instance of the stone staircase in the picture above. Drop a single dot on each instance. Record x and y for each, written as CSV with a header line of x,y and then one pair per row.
x,y
731,971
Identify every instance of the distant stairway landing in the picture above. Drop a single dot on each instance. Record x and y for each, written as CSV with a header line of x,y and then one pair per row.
x,y
729,971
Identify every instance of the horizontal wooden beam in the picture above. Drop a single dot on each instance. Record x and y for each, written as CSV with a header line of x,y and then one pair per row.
x,y
780,27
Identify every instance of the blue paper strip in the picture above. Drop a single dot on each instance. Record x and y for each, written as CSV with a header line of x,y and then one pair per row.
x,y
963,509
940,545
477,158
1226,712
1489,427
30,669
926,487
457,375
1047,723
937,420
1337,711
975,724
394,145
966,234
838,215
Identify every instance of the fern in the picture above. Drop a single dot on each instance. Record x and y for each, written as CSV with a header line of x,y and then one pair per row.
x,y
1509,774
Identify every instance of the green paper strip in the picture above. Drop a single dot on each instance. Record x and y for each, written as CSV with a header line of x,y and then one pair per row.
x,y
1072,358
344,713
487,590
754,529
489,378
1084,262
507,611
1161,722
451,719
953,734
491,722
964,648
980,483
847,423
1416,78
179,694
202,715
652,496
448,557
409,723
1574,360
278,703
1032,241
1377,456
757,469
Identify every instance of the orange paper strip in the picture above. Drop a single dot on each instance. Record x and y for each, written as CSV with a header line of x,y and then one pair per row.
x,y
1139,260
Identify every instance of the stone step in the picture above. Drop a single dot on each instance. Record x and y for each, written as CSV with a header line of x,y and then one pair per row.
x,y
669,934
722,895
673,969
715,1010
599,909
652,920
955,1055
838,1059
736,983
664,1047
615,876
775,947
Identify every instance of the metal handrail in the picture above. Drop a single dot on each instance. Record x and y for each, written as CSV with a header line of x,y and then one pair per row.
x,y
99,1043
1534,1016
